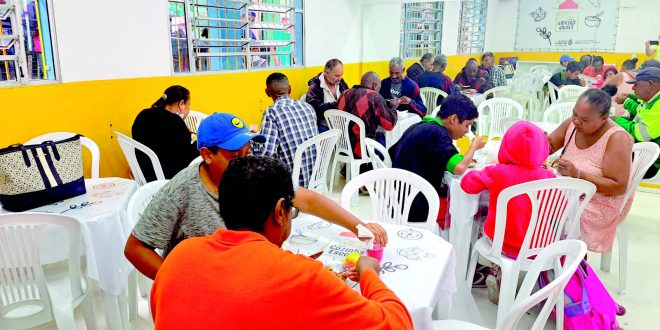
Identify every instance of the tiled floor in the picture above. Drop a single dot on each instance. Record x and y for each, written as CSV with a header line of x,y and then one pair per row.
x,y
642,298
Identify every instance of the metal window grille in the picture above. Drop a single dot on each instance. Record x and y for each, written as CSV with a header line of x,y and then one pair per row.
x,y
472,26
223,35
27,45
421,29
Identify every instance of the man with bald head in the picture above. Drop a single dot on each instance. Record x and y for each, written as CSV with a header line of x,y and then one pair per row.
x,y
286,124
365,102
402,90
473,77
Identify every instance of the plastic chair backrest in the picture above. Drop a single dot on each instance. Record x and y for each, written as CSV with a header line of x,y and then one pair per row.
x,y
193,120
141,198
496,109
324,145
498,91
376,151
128,147
553,201
529,102
435,111
22,282
430,96
338,119
558,112
392,191
85,141
303,98
507,122
570,93
539,68
563,257
553,92
644,155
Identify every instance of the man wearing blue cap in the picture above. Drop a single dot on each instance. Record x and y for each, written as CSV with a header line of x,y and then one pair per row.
x,y
187,206
565,59
644,108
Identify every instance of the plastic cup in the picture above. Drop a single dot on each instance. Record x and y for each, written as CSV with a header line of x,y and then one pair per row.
x,y
376,252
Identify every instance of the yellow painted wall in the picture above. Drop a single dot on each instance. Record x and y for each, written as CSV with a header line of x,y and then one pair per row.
x,y
97,108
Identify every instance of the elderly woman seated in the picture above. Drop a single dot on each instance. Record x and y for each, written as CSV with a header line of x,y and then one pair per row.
x,y
599,151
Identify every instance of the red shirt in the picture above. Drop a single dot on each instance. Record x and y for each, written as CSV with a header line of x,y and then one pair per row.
x,y
239,280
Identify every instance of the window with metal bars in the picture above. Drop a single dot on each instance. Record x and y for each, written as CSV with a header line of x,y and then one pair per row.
x,y
472,26
421,29
27,54
223,35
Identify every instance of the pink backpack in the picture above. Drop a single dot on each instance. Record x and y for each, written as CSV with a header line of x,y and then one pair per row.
x,y
587,304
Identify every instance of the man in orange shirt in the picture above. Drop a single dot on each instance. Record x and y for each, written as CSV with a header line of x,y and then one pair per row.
x,y
240,278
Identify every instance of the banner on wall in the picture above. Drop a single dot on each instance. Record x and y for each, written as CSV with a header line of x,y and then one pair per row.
x,y
567,25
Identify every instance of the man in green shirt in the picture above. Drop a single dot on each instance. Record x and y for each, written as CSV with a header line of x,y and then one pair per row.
x,y
644,108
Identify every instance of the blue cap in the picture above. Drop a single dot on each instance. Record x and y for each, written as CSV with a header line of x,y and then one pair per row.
x,y
646,74
565,57
225,131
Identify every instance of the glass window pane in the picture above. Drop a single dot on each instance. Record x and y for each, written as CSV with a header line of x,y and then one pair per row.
x,y
421,30
37,39
178,36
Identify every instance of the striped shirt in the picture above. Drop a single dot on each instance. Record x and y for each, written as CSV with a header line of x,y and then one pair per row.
x,y
286,124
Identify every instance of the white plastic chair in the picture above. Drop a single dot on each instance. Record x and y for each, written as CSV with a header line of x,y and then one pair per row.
x,y
128,147
28,296
430,96
392,191
553,201
492,111
303,98
376,161
644,155
558,112
340,120
435,111
551,97
539,68
136,206
499,91
193,120
324,145
571,251
85,141
570,93
529,102
507,122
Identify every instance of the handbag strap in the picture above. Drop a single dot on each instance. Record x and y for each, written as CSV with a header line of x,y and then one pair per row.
x,y
581,307
53,146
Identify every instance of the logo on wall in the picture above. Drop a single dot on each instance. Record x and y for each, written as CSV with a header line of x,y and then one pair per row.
x,y
567,22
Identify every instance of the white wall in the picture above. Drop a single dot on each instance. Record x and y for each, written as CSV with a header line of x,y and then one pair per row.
x,y
100,39
381,35
450,19
333,29
638,22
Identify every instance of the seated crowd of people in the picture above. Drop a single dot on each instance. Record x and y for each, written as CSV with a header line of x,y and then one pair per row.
x,y
238,203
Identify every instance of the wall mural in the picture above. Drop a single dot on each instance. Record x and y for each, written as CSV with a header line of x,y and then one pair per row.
x,y
567,25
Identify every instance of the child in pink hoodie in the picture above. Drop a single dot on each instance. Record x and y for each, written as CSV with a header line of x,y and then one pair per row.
x,y
522,153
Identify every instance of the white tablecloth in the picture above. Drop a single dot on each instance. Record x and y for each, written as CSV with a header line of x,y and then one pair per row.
x,y
462,208
404,121
417,265
102,215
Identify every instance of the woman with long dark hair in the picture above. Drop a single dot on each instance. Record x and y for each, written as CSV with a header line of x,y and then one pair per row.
x,y
162,129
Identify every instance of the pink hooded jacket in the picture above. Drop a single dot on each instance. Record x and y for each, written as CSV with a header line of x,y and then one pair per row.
x,y
521,156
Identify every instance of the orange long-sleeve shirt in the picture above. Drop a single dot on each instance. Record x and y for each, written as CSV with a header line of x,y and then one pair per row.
x,y
239,280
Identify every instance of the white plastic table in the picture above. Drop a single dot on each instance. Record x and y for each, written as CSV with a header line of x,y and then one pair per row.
x,y
417,264
404,121
105,229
